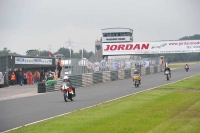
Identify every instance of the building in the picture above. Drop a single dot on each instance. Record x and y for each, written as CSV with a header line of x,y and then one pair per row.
x,y
112,35
10,63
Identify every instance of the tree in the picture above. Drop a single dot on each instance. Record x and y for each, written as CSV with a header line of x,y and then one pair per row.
x,y
65,52
194,37
39,53
6,51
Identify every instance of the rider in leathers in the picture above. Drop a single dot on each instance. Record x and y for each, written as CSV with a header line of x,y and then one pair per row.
x,y
137,73
66,79
167,69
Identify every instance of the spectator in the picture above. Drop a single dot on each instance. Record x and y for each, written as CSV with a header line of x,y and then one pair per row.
x,y
13,78
30,78
25,78
20,77
42,75
37,76
59,67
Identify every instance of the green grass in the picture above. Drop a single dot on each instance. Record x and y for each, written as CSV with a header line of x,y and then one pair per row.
x,y
172,108
181,64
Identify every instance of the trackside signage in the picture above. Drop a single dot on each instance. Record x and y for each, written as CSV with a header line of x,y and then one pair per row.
x,y
151,47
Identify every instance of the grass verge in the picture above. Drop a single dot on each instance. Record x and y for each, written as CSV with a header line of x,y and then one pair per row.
x,y
181,64
171,108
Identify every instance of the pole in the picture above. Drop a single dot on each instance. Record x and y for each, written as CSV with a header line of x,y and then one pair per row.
x,y
82,51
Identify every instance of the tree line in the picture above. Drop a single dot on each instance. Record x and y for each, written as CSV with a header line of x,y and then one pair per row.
x,y
45,53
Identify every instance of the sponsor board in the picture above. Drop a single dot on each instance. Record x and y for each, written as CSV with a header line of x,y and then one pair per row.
x,y
151,47
21,60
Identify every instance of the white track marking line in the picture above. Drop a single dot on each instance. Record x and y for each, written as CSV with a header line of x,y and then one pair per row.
x,y
97,104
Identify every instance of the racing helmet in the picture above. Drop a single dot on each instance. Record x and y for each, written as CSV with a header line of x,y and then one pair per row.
x,y
135,70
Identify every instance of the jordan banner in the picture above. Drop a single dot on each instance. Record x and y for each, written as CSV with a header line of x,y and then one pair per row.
x,y
151,47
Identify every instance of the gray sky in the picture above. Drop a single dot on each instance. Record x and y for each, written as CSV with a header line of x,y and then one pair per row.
x,y
34,24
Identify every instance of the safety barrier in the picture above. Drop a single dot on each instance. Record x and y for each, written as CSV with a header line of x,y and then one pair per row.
x,y
49,88
107,76
147,70
120,74
143,71
87,79
113,75
127,73
151,69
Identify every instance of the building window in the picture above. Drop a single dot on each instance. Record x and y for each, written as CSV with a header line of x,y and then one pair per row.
x,y
108,35
126,34
105,35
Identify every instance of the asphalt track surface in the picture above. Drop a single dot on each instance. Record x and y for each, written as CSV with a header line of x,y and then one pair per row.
x,y
21,111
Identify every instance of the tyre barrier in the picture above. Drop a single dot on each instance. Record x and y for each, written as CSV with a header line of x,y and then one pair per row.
x,y
78,81
49,88
114,75
147,70
41,87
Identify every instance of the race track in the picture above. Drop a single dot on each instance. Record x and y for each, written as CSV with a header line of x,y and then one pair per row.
x,y
21,111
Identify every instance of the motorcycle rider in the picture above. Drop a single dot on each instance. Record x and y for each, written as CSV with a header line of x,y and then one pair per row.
x,y
137,73
66,79
167,69
186,65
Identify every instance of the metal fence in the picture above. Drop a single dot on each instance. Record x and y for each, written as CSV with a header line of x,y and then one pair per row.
x,y
81,66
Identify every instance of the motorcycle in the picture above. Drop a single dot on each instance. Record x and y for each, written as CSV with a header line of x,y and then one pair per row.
x,y
167,74
67,91
186,68
136,80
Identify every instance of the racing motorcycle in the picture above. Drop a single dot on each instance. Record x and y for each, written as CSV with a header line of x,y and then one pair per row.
x,y
167,74
67,91
136,80
186,68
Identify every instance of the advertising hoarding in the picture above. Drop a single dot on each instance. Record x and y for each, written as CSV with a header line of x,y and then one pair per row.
x,y
151,47
21,60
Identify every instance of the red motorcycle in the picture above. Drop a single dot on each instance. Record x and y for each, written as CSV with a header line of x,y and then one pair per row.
x,y
67,92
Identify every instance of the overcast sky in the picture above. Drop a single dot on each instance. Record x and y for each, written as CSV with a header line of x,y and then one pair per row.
x,y
36,24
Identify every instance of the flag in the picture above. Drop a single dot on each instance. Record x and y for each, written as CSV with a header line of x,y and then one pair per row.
x,y
49,54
